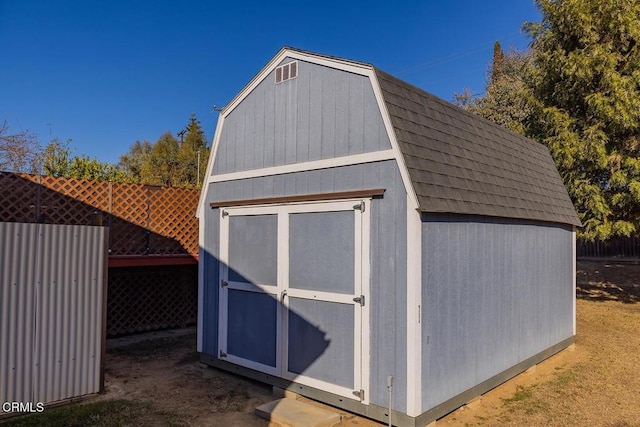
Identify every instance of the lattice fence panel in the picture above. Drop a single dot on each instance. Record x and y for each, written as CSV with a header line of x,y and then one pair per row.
x,y
130,220
18,197
172,220
72,201
142,219
150,298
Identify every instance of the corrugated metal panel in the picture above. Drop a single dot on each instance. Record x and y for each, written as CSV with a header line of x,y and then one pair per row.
x,y
388,259
322,113
57,278
496,292
17,275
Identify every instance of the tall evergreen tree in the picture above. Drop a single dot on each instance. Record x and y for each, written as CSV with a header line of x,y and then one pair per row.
x,y
497,65
507,100
193,154
169,162
586,86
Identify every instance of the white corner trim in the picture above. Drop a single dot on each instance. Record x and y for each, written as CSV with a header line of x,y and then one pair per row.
x,y
386,118
333,162
414,311
365,355
223,274
210,162
574,262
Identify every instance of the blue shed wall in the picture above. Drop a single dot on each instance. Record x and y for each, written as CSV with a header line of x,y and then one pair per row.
x,y
495,292
388,259
208,262
321,114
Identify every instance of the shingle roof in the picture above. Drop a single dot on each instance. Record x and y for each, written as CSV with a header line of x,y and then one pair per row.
x,y
461,163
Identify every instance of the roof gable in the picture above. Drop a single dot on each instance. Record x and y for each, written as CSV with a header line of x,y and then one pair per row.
x,y
451,161
461,163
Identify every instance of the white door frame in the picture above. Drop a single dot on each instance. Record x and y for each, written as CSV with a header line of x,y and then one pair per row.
x,y
361,279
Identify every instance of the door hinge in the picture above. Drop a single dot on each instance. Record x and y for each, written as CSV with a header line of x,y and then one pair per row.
x,y
222,354
359,394
223,283
359,300
224,213
359,206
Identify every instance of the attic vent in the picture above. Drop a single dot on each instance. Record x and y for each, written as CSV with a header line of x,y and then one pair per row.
x,y
287,72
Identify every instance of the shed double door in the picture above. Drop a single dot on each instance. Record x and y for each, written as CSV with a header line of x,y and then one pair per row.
x,y
294,280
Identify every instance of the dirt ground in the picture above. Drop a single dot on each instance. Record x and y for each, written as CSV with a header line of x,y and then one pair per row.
x,y
596,382
166,373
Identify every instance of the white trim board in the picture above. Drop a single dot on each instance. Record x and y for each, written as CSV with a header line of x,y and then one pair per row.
x,y
356,159
209,169
386,119
414,311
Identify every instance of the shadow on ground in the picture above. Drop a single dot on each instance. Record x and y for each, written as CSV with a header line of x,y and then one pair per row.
x,y
609,281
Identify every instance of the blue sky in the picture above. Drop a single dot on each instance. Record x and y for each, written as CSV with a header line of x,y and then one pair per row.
x,y
107,73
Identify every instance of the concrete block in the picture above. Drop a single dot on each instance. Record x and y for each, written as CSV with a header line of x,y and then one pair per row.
x,y
295,413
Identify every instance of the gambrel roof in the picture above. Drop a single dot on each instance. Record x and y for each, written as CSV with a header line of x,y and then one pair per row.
x,y
451,160
461,163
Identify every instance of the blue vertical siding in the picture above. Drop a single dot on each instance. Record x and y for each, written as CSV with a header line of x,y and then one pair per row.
x,y
210,286
253,250
252,326
322,251
322,113
495,292
324,353
388,304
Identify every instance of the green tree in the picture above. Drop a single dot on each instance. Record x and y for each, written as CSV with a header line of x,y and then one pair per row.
x,y
132,162
497,66
57,158
169,162
85,168
162,166
58,161
193,155
586,87
507,100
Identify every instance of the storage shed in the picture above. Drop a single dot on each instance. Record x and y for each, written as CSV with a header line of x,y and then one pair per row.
x,y
357,232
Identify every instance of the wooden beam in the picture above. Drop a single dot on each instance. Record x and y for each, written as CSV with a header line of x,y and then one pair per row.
x,y
358,194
